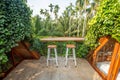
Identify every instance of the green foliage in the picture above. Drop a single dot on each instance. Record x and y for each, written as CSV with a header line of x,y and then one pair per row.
x,y
35,44
14,24
82,50
37,25
3,58
106,22
72,22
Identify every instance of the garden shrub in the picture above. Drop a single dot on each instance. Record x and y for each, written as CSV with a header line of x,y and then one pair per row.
x,y
15,24
82,50
106,22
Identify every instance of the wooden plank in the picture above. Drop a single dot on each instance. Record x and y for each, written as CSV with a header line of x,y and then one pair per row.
x,y
12,57
62,39
113,60
99,72
98,48
116,67
34,55
18,54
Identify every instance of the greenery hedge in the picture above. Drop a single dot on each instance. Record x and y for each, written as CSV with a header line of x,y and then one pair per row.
x,y
15,24
106,22
41,47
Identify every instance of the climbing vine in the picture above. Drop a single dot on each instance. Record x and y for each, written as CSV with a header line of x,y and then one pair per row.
x,y
106,22
15,24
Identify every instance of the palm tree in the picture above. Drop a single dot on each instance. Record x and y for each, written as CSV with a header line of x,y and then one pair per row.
x,y
64,22
85,12
51,7
37,25
56,9
79,14
85,15
71,13
41,11
90,12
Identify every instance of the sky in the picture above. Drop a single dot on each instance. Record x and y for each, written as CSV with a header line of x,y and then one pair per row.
x,y
36,5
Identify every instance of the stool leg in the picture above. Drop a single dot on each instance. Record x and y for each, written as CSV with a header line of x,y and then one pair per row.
x,y
74,56
56,56
66,57
48,56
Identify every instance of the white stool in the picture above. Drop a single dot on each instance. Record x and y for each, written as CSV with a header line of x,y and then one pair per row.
x,y
48,55
71,46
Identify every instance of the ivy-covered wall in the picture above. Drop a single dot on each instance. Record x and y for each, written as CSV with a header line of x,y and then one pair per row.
x,y
15,24
106,22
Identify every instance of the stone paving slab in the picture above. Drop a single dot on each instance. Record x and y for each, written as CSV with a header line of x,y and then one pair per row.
x,y
37,70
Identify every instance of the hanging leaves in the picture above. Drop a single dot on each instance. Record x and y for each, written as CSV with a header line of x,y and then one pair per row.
x,y
14,24
106,22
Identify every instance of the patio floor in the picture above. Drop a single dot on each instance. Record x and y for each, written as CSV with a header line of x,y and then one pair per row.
x,y
37,70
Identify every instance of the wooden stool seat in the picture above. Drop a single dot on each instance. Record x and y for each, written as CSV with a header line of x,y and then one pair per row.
x,y
70,46
51,46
